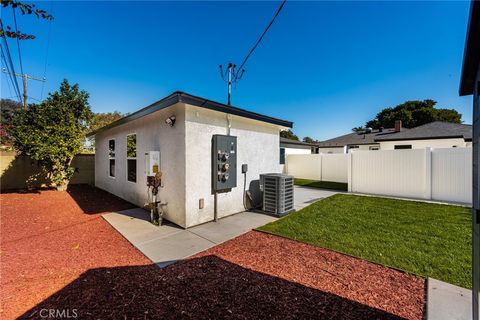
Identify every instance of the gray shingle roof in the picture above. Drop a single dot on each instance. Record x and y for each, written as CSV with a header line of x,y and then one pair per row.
x,y
285,141
357,138
433,130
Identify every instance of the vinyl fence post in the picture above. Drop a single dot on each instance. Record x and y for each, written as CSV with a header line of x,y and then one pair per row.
x,y
428,173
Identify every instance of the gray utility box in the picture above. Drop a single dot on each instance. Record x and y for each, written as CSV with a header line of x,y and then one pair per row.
x,y
277,193
224,162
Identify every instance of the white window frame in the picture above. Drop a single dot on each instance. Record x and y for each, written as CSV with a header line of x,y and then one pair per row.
x,y
112,158
131,158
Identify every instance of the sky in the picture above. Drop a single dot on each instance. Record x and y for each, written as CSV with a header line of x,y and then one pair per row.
x,y
326,66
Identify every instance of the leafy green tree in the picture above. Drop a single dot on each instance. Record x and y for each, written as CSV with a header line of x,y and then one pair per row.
x,y
288,134
52,132
100,120
9,108
413,114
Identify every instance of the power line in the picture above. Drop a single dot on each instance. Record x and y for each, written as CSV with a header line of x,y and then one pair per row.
x,y
25,78
47,50
233,74
10,63
18,41
261,37
9,77
12,78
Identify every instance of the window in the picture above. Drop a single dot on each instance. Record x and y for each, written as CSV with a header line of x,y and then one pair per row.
x,y
132,157
111,158
282,155
402,146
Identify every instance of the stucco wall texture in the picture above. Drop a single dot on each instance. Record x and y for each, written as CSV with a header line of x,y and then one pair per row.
x,y
185,156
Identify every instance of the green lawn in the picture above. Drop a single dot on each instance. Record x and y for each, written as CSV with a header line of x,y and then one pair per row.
x,y
427,239
322,184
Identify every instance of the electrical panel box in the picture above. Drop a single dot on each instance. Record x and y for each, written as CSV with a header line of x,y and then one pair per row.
x,y
152,159
224,162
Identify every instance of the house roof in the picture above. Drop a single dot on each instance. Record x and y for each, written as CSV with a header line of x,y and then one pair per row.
x,y
357,138
432,130
285,141
471,56
183,97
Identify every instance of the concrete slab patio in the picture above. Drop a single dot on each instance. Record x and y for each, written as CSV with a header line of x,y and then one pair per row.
x,y
305,196
448,302
169,243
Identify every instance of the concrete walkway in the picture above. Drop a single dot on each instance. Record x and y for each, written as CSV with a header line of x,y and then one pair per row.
x,y
448,302
169,243
305,196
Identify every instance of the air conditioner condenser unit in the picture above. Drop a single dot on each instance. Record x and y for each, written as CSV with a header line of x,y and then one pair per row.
x,y
278,195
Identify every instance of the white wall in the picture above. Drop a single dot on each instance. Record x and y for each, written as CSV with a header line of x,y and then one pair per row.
x,y
434,174
257,146
152,134
420,144
324,167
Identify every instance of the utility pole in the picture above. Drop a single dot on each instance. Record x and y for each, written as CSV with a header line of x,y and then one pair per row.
x,y
25,78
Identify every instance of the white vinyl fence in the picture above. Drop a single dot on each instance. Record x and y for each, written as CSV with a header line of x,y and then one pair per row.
x,y
324,167
433,174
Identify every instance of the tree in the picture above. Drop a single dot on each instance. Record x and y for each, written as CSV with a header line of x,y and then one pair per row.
x,y
100,120
413,114
24,9
9,108
358,129
288,134
51,132
309,140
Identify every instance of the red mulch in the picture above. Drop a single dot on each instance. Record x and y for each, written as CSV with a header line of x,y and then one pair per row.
x,y
370,284
49,238
80,264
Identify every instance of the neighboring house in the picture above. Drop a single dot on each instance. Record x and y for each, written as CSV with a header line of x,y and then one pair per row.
x,y
436,134
289,146
182,128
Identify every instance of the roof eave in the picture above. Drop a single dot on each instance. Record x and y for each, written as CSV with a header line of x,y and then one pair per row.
x,y
471,57
179,96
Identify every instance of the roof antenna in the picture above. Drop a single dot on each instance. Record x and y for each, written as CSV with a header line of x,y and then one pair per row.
x,y
230,77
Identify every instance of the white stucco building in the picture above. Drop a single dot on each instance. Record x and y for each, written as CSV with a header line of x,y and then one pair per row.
x,y
185,155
